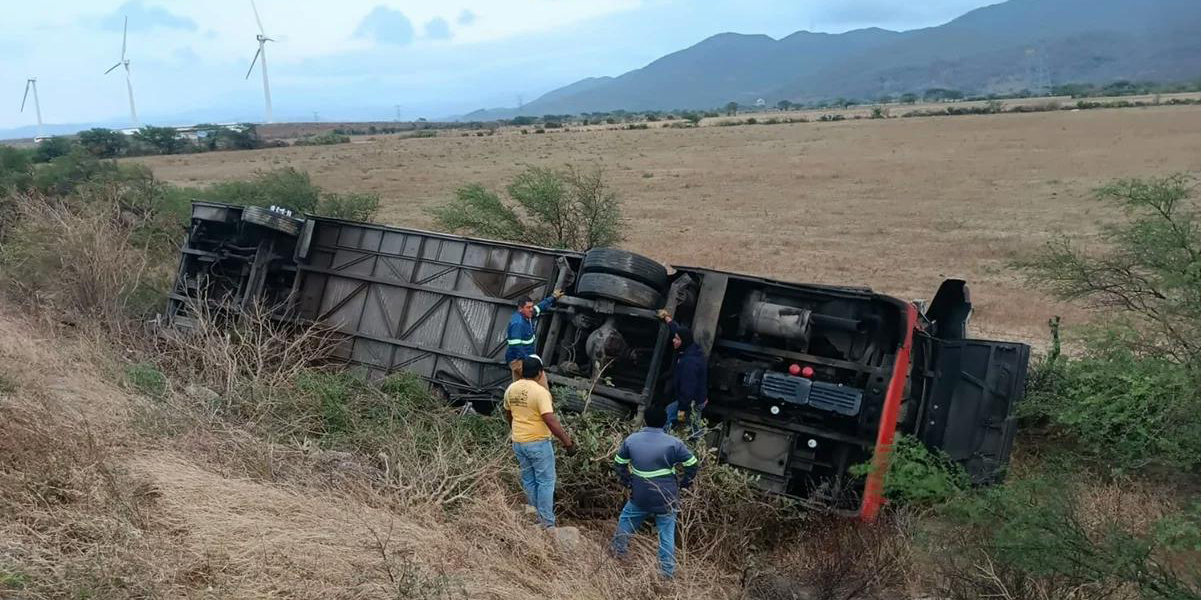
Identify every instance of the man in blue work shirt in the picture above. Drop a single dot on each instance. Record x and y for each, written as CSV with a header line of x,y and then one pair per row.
x,y
646,464
690,379
522,332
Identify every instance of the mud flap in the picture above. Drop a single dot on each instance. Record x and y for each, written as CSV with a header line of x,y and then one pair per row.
x,y
970,410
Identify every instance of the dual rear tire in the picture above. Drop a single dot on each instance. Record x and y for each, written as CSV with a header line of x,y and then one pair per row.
x,y
624,277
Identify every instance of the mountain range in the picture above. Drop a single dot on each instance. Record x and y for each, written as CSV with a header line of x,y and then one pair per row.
x,y
1003,48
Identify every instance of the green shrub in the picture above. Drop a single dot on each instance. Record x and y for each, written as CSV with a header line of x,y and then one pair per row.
x,y
64,174
16,168
918,475
1150,269
336,399
1121,409
1130,397
286,187
328,138
560,208
104,143
164,140
1033,534
146,379
352,206
52,148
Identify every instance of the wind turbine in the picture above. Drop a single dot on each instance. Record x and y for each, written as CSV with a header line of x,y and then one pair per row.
x,y
32,83
133,112
262,39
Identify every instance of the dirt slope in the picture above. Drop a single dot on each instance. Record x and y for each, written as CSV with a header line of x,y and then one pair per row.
x,y
104,494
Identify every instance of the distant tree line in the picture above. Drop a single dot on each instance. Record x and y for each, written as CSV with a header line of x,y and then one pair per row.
x,y
150,140
930,95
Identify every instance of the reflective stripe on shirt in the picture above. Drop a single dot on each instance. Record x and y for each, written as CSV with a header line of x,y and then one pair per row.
x,y
652,474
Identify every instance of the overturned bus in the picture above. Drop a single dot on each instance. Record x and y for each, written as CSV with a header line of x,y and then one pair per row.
x,y
805,381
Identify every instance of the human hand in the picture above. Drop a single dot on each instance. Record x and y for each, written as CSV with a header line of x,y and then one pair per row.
x,y
557,294
663,314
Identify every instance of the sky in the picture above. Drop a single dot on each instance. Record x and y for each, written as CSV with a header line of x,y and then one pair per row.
x,y
361,59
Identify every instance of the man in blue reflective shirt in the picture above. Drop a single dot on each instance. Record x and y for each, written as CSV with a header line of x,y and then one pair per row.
x,y
522,332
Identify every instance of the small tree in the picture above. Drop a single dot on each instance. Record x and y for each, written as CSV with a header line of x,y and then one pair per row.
x,y
163,139
784,105
909,98
1151,270
731,109
693,118
52,148
1130,395
104,143
16,170
560,208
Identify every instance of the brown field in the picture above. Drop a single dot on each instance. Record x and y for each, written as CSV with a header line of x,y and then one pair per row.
x,y
894,204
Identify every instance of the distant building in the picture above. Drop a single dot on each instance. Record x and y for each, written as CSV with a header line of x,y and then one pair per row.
x,y
195,132
761,102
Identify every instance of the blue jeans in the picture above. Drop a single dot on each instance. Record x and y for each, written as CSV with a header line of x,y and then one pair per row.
x,y
537,461
693,415
633,517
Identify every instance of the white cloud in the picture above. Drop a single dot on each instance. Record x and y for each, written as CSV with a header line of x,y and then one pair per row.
x,y
386,26
437,29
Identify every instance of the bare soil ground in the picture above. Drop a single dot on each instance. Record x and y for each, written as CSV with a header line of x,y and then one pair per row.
x,y
895,204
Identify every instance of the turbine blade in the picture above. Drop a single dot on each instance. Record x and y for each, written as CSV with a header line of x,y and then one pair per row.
x,y
256,17
23,98
110,69
124,37
254,60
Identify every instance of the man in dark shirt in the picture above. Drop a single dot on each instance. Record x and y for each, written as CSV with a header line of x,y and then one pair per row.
x,y
646,464
690,382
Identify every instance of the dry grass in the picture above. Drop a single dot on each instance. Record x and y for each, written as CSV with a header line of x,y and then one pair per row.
x,y
841,559
75,265
895,204
108,495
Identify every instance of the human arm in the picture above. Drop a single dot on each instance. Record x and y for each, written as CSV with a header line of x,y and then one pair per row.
x,y
671,323
621,464
686,459
547,410
546,303
556,429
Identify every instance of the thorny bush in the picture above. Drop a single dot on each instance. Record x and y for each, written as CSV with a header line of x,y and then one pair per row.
x,y
1049,537
559,208
1130,396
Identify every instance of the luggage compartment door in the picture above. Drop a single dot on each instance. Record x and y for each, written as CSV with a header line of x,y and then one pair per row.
x,y
969,413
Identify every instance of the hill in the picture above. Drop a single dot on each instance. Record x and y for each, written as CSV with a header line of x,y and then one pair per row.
x,y
1004,48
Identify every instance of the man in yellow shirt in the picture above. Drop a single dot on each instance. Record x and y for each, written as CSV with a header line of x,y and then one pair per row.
x,y
529,412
